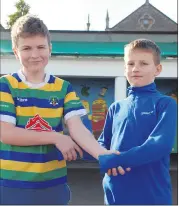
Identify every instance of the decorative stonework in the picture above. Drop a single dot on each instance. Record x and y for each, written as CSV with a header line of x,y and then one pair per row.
x,y
146,21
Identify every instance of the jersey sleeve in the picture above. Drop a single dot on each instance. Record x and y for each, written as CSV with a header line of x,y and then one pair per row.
x,y
7,106
72,104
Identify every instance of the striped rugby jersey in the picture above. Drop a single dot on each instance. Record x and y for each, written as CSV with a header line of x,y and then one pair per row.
x,y
39,108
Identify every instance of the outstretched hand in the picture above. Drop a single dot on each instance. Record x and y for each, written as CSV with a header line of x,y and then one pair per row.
x,y
118,170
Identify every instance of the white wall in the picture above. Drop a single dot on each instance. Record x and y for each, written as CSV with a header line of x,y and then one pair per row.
x,y
91,67
87,66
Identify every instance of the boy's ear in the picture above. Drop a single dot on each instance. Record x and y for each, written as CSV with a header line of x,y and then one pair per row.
x,y
158,69
15,53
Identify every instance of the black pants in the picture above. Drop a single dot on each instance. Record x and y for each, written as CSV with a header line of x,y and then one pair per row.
x,y
57,195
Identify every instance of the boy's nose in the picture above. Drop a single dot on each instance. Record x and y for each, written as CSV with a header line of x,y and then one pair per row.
x,y
35,53
135,69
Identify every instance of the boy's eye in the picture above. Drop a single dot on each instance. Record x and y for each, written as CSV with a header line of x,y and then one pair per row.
x,y
41,47
26,48
130,63
144,63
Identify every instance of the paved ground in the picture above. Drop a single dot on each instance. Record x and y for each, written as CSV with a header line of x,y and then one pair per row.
x,y
86,186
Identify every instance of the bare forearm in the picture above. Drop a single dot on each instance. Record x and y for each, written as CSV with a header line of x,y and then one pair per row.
x,y
22,137
86,140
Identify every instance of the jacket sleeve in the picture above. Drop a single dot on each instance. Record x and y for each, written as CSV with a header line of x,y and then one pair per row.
x,y
158,144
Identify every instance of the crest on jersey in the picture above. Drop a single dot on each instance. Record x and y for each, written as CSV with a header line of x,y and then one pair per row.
x,y
53,101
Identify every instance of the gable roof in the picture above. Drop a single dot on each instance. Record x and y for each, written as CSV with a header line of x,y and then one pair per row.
x,y
146,18
1,27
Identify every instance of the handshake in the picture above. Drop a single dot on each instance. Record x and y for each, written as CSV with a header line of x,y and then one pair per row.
x,y
107,158
108,163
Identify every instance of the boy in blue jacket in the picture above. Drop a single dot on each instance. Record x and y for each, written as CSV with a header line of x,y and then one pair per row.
x,y
142,128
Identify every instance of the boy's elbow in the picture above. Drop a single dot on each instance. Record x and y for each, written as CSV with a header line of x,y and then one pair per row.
x,y
6,137
6,132
4,140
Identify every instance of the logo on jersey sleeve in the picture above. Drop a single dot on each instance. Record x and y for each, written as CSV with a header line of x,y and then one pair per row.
x,y
39,124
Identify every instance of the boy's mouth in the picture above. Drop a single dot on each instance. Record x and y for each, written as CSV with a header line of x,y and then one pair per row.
x,y
35,62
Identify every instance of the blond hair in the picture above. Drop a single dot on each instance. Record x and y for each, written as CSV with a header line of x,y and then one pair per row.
x,y
144,44
26,26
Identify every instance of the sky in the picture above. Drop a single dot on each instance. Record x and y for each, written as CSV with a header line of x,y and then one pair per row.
x,y
73,14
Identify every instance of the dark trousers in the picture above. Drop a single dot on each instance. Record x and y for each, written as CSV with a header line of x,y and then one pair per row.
x,y
57,195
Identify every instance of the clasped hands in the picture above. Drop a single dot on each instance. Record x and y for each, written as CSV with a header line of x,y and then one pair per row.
x,y
119,169
69,150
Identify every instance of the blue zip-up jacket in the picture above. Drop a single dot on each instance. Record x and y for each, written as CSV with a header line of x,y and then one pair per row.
x,y
142,127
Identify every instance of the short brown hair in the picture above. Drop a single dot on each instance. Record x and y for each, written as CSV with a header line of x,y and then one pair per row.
x,y
144,44
28,25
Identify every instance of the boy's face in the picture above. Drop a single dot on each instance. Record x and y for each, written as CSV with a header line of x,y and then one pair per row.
x,y
33,53
140,67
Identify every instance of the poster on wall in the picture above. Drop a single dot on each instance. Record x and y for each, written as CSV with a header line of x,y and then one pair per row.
x,y
96,96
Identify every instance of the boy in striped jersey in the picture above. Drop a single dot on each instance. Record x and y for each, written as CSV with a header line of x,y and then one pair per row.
x,y
33,104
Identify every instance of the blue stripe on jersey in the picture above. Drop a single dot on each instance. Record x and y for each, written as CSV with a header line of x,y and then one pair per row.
x,y
41,103
7,113
26,184
4,88
16,76
51,79
58,128
69,89
30,157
